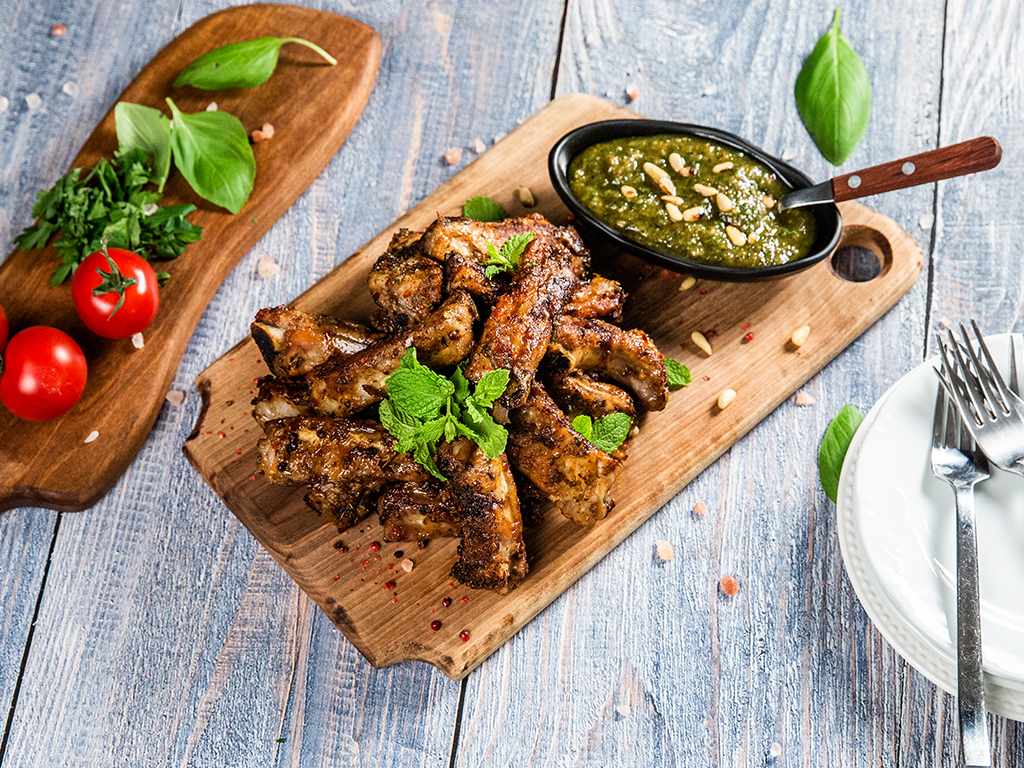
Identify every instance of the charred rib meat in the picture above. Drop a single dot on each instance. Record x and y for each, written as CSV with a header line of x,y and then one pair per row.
x,y
578,394
600,297
405,283
417,511
293,343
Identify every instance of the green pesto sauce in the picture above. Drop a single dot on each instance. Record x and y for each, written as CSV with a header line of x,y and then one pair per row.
x,y
598,173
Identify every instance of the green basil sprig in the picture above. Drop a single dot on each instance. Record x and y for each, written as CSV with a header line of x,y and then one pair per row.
x,y
834,445
211,149
240,65
833,95
149,131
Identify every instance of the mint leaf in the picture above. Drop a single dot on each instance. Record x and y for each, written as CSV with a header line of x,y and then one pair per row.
x,y
610,431
409,359
461,385
833,95
834,445
678,374
483,209
491,386
424,455
419,392
583,425
403,429
507,259
488,434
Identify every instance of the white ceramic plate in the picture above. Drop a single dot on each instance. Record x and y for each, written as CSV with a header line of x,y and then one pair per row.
x,y
898,538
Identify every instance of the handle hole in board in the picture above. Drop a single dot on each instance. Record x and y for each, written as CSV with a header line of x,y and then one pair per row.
x,y
863,255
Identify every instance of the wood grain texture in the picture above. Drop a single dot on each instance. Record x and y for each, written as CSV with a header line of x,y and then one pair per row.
x,y
313,107
392,626
792,659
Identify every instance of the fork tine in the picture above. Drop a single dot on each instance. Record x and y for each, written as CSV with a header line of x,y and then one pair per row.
x,y
995,377
960,377
1014,380
941,402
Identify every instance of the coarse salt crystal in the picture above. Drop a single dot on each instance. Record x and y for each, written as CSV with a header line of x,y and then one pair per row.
x,y
803,398
92,436
729,585
267,267
211,107
175,397
700,508
137,341
498,137
623,710
479,146
33,100
926,221
58,30
789,154
633,92
70,88
711,90
453,155
149,209
776,749
664,550
4,103
407,565
268,131
945,322
663,61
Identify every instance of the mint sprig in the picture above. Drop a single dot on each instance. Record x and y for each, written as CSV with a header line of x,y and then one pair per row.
x,y
607,433
482,208
507,259
423,407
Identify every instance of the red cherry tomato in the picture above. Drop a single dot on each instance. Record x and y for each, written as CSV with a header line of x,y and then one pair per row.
x,y
115,293
44,375
3,332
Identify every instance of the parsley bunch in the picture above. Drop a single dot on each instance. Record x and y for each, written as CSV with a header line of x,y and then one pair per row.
x,y
423,406
607,433
507,259
107,207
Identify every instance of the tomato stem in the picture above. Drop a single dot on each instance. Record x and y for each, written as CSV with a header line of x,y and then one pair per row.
x,y
113,282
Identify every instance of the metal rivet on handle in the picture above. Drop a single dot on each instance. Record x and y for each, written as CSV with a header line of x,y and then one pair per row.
x,y
854,181
908,168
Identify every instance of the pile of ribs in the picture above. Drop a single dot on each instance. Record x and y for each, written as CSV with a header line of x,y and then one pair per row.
x,y
550,323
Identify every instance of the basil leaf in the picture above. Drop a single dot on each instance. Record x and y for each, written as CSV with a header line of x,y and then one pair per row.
x,y
483,209
240,65
833,95
211,149
834,446
149,131
610,431
678,374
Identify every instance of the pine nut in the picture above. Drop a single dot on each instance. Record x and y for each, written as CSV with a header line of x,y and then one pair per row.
x,y
737,237
654,171
526,197
687,171
692,214
667,186
628,192
698,338
752,237
673,212
688,282
727,396
769,201
701,189
725,202
672,199
726,166
799,337
676,162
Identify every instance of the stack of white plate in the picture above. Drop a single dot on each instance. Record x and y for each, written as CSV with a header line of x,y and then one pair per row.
x,y
897,532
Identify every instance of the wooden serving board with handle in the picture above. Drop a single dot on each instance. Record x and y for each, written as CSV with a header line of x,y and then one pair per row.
x,y
313,107
387,612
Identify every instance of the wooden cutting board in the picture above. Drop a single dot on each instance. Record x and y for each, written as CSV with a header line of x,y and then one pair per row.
x,y
313,107
387,612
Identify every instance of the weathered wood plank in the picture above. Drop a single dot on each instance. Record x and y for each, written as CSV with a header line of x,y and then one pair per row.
x,y
792,658
126,667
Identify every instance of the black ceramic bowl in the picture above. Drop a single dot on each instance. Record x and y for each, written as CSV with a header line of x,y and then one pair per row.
x,y
828,222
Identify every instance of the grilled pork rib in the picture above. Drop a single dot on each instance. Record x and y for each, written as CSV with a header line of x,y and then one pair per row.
x,y
293,343
629,358
600,297
405,283
417,511
578,394
492,554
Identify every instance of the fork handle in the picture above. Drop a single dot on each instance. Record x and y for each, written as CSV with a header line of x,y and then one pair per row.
x,y
970,678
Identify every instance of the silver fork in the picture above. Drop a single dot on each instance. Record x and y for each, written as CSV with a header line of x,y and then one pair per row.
x,y
957,460
993,413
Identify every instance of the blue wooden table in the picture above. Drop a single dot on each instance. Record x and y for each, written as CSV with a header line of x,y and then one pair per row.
x,y
152,630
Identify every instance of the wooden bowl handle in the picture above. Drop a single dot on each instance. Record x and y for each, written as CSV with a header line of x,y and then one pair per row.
x,y
943,163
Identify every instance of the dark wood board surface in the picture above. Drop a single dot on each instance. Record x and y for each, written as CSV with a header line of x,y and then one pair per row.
x,y
313,107
393,625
